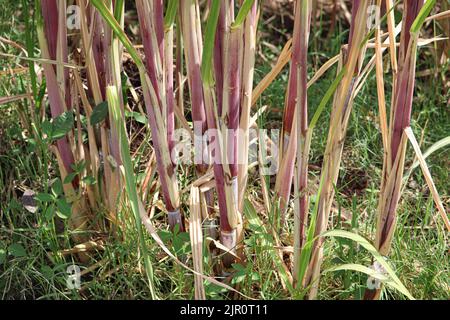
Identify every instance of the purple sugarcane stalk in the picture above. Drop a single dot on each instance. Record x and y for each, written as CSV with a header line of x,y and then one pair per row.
x,y
53,29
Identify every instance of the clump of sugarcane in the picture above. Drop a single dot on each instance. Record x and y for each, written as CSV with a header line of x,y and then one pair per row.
x,y
101,54
224,88
340,114
52,35
414,14
157,37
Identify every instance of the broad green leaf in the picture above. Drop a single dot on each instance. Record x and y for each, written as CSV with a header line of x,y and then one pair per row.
x,y
47,127
57,188
17,250
69,178
99,113
44,197
62,125
49,213
64,209
138,117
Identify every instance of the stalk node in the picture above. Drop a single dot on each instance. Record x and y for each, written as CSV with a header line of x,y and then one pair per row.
x,y
228,239
174,219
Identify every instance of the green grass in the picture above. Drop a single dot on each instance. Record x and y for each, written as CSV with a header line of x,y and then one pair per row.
x,y
420,247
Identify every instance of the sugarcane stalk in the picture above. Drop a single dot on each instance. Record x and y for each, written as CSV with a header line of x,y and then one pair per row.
x,y
394,161
337,132
299,60
50,34
296,96
248,66
157,100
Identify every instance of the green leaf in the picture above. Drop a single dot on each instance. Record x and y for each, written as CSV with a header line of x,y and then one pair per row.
x,y
17,250
89,180
238,267
47,272
49,213
138,117
165,235
57,188
47,127
62,125
171,13
44,197
326,98
395,283
115,26
64,209
130,180
210,35
242,14
434,148
69,178
2,256
99,113
423,14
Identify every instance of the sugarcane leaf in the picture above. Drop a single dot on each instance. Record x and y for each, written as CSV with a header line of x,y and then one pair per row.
x,y
242,14
115,26
358,268
130,181
377,256
435,147
99,113
423,14
171,11
118,9
210,34
326,98
305,255
428,177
